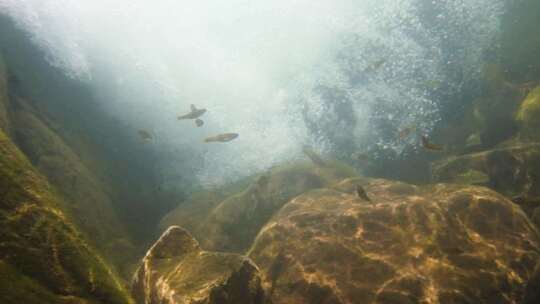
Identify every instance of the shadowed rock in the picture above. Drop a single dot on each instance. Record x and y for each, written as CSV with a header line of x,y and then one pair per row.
x,y
528,115
513,170
432,244
43,256
230,222
176,271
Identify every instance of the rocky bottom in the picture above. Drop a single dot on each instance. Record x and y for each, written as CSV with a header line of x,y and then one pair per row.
x,y
433,244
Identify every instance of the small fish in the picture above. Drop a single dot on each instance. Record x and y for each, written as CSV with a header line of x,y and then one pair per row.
x,y
430,146
361,193
373,67
199,122
262,181
195,113
145,135
225,137
432,84
473,140
313,156
362,157
472,177
521,88
404,133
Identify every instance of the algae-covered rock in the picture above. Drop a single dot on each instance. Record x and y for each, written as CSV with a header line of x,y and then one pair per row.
x,y
486,122
86,198
432,244
493,117
231,222
528,116
513,170
43,258
177,271
4,120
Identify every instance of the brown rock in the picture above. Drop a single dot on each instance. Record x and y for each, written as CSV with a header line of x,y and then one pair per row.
x,y
432,244
231,221
176,271
513,170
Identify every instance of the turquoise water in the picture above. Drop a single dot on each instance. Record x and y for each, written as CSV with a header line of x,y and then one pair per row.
x,y
184,112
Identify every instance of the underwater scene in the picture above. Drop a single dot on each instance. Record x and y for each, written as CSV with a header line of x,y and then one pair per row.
x,y
270,152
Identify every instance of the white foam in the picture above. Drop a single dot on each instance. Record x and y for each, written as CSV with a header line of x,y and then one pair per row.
x,y
250,63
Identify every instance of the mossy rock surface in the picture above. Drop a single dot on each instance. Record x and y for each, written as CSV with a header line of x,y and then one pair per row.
x,y
85,197
177,271
411,244
4,120
512,169
43,258
528,116
230,222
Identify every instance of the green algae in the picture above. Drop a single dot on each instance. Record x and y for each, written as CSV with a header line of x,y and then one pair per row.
x,y
529,111
85,198
4,121
528,116
41,251
472,177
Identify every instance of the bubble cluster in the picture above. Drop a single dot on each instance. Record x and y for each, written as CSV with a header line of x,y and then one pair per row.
x,y
337,75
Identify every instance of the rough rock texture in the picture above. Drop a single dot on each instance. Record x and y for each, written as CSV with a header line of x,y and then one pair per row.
x,y
87,201
4,120
433,244
84,197
512,170
487,120
43,258
176,271
231,222
528,115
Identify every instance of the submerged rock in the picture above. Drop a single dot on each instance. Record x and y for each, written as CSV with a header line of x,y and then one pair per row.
x,y
231,222
177,271
528,115
43,257
431,244
512,170
88,200
4,119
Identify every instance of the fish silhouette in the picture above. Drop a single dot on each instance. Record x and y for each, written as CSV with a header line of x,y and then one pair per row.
x,y
430,146
225,137
361,193
195,113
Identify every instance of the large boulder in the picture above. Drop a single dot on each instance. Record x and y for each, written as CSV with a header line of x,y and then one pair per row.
x,y
43,257
88,199
431,244
230,221
177,271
